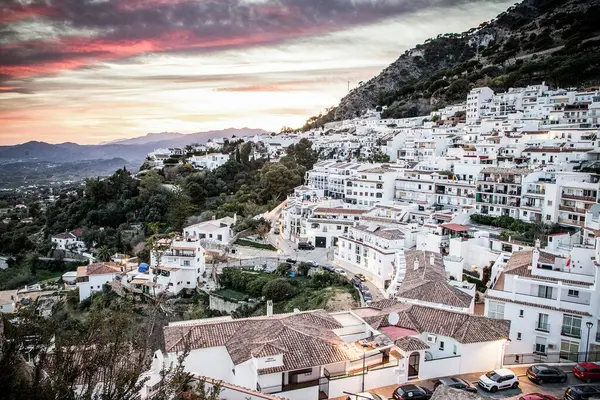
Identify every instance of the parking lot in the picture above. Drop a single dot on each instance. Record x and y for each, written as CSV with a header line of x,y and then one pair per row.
x,y
525,386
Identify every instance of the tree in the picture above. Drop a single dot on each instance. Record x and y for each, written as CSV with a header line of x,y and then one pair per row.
x,y
104,253
283,269
277,180
278,290
179,209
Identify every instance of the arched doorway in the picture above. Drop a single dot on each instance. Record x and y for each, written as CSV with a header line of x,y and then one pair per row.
x,y
413,365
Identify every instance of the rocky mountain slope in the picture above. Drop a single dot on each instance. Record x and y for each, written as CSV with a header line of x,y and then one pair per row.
x,y
533,41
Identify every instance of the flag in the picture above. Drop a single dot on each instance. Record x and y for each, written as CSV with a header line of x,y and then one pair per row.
x,y
569,262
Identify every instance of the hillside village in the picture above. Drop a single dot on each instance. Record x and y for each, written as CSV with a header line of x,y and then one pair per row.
x,y
447,244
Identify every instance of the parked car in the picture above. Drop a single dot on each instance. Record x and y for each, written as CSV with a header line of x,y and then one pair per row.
x,y
587,371
364,396
367,297
305,246
361,277
363,288
290,261
412,392
329,268
340,271
582,392
498,379
455,383
537,396
355,281
546,373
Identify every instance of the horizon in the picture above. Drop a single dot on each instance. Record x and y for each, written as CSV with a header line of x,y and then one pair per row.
x,y
93,72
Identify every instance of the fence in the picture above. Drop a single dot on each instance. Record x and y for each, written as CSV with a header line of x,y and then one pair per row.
x,y
550,358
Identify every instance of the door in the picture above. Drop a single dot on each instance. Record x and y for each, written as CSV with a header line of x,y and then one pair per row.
x,y
413,365
506,382
320,241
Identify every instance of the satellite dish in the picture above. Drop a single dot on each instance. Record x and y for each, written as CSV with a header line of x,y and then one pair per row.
x,y
393,318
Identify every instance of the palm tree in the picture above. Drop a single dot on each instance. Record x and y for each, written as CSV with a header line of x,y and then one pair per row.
x,y
104,253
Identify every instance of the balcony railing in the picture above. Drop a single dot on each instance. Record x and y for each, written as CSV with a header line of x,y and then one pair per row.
x,y
571,331
578,197
572,209
569,222
542,326
291,386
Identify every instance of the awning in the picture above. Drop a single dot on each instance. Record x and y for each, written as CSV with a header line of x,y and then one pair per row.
x,y
457,227
139,281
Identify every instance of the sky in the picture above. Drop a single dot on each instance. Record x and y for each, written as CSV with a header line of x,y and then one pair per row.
x,y
92,71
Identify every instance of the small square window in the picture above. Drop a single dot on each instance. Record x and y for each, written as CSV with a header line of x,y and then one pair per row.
x,y
441,345
573,293
518,335
521,313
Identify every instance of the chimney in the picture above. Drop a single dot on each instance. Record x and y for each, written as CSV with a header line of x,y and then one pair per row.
x,y
269,308
235,218
535,255
432,259
416,265
214,217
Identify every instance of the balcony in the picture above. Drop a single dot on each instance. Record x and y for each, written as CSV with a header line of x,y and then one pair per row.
x,y
291,386
578,197
566,221
571,331
538,192
572,209
542,326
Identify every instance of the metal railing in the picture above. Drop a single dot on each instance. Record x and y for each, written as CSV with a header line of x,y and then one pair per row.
x,y
571,331
542,326
292,386
550,357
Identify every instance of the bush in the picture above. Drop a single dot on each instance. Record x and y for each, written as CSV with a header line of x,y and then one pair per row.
x,y
303,269
255,287
250,243
278,290
283,269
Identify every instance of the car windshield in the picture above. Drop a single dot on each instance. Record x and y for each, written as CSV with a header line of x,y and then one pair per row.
x,y
579,367
493,376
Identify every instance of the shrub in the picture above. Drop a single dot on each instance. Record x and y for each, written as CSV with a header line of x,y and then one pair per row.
x,y
303,269
278,290
255,287
283,269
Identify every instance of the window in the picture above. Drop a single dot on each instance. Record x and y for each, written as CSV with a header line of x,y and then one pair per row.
x,y
441,345
518,335
571,326
549,202
454,349
542,323
496,310
573,293
521,313
545,291
186,263
540,345
569,350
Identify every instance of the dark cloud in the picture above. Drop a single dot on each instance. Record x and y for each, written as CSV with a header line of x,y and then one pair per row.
x,y
125,28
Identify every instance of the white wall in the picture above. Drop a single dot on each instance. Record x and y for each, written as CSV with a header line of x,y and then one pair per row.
x,y
213,362
309,393
374,379
245,375
477,357
439,367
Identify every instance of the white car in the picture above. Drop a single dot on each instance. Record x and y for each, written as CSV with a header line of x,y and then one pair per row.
x,y
340,271
364,396
499,379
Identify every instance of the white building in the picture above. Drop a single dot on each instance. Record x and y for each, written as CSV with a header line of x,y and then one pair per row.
x,y
209,161
551,298
215,231
371,186
91,278
476,99
68,241
313,354
175,265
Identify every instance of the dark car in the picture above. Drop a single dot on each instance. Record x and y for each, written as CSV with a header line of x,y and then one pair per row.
x,y
587,371
355,281
329,268
290,261
582,392
537,396
305,246
367,296
363,288
411,392
455,383
545,373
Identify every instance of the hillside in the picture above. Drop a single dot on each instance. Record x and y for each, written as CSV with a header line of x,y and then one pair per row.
x,y
533,41
133,151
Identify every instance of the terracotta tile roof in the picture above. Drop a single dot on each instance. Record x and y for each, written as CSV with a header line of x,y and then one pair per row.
x,y
409,343
99,268
66,235
325,210
525,303
382,232
464,328
506,171
520,261
305,339
428,282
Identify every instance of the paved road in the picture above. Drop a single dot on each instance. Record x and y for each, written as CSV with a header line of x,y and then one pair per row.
x,y
525,386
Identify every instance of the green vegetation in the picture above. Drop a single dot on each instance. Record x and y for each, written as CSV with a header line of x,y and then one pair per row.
x,y
301,292
516,229
250,243
533,41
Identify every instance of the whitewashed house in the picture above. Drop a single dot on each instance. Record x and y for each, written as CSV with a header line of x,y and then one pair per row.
x,y
209,161
91,278
69,241
215,231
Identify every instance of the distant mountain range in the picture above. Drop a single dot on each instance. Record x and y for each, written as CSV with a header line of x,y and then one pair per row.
x,y
133,151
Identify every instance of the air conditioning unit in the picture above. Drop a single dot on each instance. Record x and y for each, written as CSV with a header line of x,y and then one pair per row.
x,y
431,338
551,346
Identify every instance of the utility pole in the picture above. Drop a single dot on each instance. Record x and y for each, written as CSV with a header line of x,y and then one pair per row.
x,y
348,86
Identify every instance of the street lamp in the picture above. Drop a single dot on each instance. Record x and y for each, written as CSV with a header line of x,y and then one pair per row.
x,y
589,325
